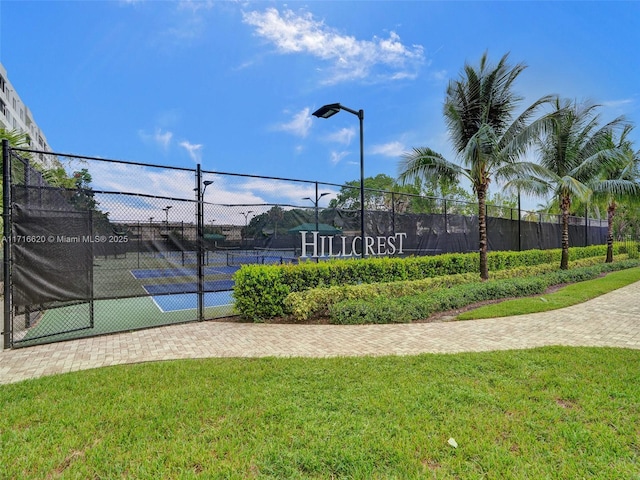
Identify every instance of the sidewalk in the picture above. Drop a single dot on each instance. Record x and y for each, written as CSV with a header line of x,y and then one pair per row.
x,y
612,320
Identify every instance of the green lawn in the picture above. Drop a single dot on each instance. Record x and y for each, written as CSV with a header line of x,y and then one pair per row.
x,y
546,413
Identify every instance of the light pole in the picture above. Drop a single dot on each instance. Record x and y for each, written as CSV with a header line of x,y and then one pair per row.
x,y
200,237
315,203
330,110
246,221
151,228
166,216
206,183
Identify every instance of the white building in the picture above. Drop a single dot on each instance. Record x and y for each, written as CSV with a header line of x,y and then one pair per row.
x,y
15,115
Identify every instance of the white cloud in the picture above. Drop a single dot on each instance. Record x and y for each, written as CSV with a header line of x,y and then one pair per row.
x,y
284,192
336,157
440,76
149,190
343,136
163,138
299,124
348,57
194,150
195,5
617,103
159,138
391,149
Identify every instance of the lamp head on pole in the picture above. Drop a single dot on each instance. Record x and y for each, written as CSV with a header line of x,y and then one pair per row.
x,y
327,111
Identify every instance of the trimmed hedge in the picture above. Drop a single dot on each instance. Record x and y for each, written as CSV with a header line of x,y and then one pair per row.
x,y
409,308
315,302
260,290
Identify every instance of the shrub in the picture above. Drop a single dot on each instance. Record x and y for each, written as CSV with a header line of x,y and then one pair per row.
x,y
315,302
259,293
408,308
260,290
632,250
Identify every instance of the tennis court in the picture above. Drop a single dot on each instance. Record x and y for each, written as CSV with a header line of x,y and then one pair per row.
x,y
140,274
180,296
110,316
263,256
188,301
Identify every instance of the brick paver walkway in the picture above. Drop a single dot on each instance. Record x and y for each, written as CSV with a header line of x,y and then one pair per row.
x,y
610,320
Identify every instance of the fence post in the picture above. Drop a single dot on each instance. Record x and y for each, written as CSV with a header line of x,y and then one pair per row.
x,y
393,214
200,243
446,226
519,225
6,244
586,225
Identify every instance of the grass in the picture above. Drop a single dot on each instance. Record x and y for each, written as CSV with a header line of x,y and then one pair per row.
x,y
570,295
555,412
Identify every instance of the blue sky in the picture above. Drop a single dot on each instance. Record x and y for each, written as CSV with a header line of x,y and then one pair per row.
x,y
232,85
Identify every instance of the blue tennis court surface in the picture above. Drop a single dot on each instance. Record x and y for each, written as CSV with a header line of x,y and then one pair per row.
x,y
189,301
189,287
181,272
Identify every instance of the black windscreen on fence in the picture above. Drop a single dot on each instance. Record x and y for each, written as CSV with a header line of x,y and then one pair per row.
x,y
53,262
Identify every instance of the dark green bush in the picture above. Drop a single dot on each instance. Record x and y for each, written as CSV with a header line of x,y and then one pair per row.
x,y
315,302
259,293
260,290
406,309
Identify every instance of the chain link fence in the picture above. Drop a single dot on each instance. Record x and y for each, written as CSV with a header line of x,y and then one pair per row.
x,y
96,246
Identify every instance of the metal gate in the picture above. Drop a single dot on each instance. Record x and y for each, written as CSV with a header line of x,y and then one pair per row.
x,y
43,267
71,270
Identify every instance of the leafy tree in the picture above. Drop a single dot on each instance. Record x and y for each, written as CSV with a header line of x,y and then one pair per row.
x,y
275,215
278,220
83,196
479,112
57,177
626,223
374,197
502,204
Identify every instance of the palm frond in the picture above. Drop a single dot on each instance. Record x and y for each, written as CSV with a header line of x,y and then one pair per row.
x,y
426,163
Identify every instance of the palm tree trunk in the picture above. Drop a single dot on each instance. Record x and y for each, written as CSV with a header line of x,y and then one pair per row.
x,y
482,228
565,204
611,211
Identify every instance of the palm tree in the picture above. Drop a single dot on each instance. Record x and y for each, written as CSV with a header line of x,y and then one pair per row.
x,y
573,152
479,112
619,180
16,138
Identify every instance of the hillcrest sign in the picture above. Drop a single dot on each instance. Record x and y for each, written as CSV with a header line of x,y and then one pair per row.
x,y
337,246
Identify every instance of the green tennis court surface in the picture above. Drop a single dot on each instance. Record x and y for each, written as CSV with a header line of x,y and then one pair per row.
x,y
112,316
